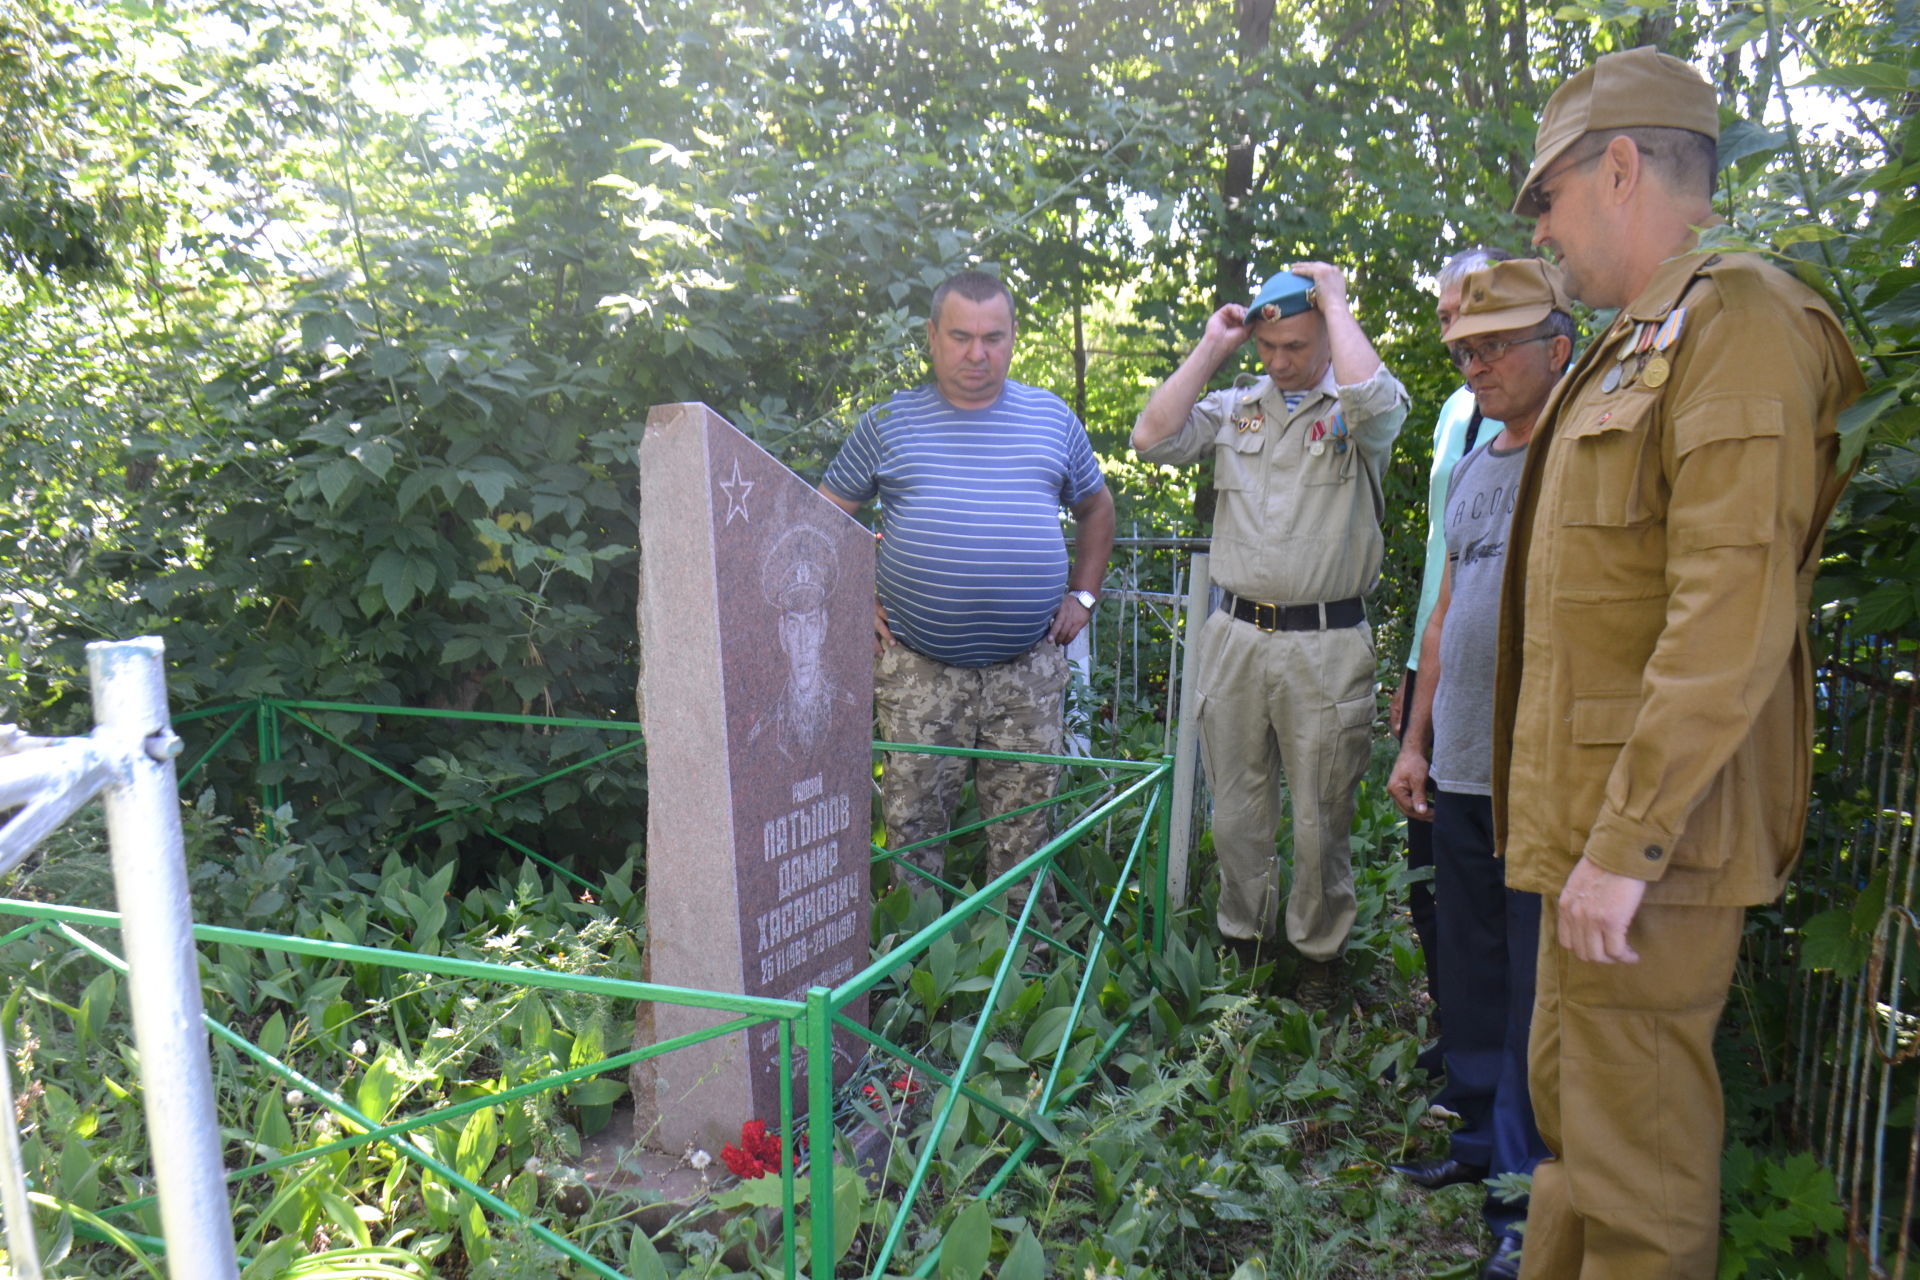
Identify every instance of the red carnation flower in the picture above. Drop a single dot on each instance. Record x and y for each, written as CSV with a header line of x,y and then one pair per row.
x,y
740,1163
758,1153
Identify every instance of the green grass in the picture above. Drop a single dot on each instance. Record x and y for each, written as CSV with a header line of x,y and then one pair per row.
x,y
1230,1134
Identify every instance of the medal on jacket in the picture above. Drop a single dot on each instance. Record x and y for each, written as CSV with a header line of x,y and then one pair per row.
x,y
1251,417
1629,346
1317,439
1658,369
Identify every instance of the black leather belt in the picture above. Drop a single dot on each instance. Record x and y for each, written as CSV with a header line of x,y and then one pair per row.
x,y
1350,612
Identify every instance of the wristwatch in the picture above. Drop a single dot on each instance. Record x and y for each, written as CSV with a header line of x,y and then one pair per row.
x,y
1086,598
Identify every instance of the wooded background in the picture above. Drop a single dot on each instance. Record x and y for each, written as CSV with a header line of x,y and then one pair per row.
x,y
327,333
327,330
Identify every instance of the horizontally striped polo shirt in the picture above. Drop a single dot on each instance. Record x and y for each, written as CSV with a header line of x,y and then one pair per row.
x,y
972,563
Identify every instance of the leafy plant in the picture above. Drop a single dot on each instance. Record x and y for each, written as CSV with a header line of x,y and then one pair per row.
x,y
1781,1216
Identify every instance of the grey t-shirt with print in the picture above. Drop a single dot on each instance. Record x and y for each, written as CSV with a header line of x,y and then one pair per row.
x,y
1479,512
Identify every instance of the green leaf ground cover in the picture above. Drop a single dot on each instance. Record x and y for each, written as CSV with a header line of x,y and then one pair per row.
x,y
329,332
1229,1130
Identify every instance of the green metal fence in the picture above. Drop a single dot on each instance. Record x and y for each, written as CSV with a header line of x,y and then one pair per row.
x,y
1846,1047
270,719
1125,906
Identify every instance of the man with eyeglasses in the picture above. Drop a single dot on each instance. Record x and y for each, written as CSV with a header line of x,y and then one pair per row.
x,y
1512,338
1459,426
1287,664
1653,703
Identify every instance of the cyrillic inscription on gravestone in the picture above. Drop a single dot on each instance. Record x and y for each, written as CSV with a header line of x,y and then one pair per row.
x,y
757,633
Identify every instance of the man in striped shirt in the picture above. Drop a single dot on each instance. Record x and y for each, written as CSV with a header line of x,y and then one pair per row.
x,y
976,596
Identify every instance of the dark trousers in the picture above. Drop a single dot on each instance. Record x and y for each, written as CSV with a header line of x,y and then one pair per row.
x,y
1420,854
1489,939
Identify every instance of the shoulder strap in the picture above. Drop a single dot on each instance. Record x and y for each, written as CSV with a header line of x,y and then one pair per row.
x,y
1473,430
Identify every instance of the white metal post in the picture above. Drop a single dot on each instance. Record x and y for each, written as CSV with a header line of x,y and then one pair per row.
x,y
163,970
1079,654
1186,740
23,1251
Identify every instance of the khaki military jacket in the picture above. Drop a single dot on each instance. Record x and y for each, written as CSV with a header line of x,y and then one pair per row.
x,y
1298,520
1653,705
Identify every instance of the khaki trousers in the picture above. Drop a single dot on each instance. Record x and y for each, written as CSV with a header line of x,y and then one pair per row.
x,y
1299,703
1012,706
1627,1098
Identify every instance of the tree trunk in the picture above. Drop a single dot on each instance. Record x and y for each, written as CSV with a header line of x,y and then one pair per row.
x,y
1253,21
1521,82
1079,317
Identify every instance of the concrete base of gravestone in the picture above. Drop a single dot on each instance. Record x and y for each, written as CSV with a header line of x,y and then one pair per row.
x,y
664,1187
757,635
618,1162
617,1159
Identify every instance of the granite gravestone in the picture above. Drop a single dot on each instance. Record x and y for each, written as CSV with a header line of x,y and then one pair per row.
x,y
757,636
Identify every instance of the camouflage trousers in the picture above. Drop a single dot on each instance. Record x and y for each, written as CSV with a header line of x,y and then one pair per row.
x,y
1013,706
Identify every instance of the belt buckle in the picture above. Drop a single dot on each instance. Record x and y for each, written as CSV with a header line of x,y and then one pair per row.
x,y
1265,616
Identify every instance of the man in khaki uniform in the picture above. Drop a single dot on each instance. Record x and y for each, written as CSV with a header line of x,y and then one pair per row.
x,y
1287,663
1653,705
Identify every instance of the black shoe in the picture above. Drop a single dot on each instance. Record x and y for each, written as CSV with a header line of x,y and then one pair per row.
x,y
1434,1174
1321,987
1252,953
1504,1262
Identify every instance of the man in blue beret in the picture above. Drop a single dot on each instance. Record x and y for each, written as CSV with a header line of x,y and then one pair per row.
x,y
1286,664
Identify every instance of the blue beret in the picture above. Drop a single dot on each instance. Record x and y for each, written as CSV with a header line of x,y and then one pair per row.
x,y
1281,296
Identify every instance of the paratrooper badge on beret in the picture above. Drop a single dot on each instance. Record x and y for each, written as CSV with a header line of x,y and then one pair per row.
x,y
1283,295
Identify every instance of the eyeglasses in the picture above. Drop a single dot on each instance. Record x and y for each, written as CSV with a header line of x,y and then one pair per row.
x,y
1465,353
1543,198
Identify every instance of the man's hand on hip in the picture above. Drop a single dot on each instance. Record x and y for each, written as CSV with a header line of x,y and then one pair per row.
x,y
1596,906
1069,620
882,633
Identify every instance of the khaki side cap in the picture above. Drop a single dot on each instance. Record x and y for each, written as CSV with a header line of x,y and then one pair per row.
x,y
1640,87
1515,294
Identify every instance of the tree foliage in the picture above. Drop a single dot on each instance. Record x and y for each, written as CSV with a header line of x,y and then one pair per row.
x,y
329,334
331,330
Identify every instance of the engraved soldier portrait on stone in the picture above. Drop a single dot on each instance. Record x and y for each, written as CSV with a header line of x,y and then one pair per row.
x,y
797,578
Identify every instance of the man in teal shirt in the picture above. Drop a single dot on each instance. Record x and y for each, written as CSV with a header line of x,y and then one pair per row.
x,y
1458,429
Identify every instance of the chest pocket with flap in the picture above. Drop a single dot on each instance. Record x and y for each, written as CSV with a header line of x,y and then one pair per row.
x,y
1333,464
1610,465
1237,455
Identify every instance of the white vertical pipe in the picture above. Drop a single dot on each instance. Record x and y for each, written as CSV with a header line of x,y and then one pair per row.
x,y
163,972
1186,739
23,1251
1080,663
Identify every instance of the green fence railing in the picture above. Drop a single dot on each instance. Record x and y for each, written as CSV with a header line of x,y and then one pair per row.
x,y
269,718
1126,919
